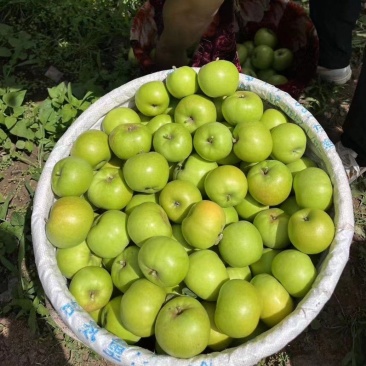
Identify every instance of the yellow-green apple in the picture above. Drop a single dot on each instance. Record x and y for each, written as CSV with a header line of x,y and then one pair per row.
x,y
239,273
109,190
218,104
313,188
173,141
273,117
241,244
129,139
289,142
252,141
178,236
177,197
300,164
282,59
206,274
118,116
111,321
139,198
218,78
265,36
242,106
147,220
158,121
264,263
290,205
152,98
140,306
163,261
242,52
249,207
125,268
69,221
182,327
276,301
273,227
194,169
70,260
218,341
231,215
311,230
203,225
146,172
92,146
238,308
92,287
295,271
195,110
213,141
71,176
226,185
182,81
262,57
108,236
269,182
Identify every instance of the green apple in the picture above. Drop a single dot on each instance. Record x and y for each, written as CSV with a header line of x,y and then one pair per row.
x,y
262,57
178,236
92,287
111,321
265,74
273,117
311,230
92,146
194,169
182,81
218,78
242,52
290,205
158,121
313,188
125,268
152,98
173,141
241,244
129,139
249,45
163,261
213,141
265,36
140,306
69,221
226,185
249,71
252,141
203,225
289,142
282,59
139,198
248,208
147,220
272,224
195,110
109,190
218,341
108,236
177,197
295,271
71,176
114,162
70,260
239,273
300,164
277,79
182,327
269,182
242,106
118,116
264,263
218,104
206,274
146,172
231,215
276,301
238,308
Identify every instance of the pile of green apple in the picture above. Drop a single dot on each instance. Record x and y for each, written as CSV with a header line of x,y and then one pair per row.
x,y
263,58
192,218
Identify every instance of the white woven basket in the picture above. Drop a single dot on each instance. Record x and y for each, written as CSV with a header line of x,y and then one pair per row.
x,y
116,350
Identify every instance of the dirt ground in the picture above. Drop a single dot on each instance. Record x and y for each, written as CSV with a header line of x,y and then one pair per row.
x,y
326,342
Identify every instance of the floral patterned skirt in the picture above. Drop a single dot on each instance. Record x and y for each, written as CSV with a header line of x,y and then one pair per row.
x,y
237,21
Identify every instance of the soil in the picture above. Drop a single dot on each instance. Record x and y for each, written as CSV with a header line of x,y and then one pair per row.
x,y
327,342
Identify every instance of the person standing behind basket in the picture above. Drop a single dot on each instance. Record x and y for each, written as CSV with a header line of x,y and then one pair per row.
x,y
335,21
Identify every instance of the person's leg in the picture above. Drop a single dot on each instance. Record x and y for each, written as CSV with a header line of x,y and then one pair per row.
x,y
354,127
334,21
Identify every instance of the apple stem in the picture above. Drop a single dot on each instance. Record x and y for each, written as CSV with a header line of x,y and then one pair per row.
x,y
123,264
179,310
